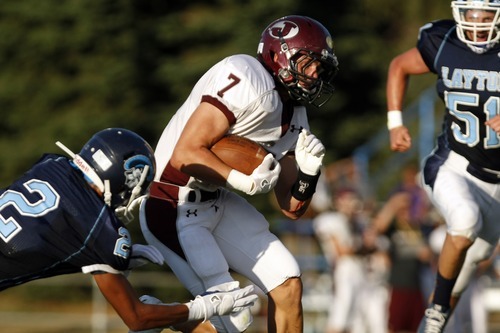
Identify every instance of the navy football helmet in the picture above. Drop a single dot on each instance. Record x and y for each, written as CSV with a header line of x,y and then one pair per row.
x,y
291,44
120,163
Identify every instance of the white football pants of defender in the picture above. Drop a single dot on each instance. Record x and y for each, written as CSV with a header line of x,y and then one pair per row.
x,y
471,208
225,233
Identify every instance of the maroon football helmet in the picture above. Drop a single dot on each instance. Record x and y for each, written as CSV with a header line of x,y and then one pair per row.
x,y
283,45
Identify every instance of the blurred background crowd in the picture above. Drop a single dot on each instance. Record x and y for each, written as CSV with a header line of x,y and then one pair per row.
x,y
382,256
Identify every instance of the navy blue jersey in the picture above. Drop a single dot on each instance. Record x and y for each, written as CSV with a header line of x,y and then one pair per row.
x,y
469,85
53,223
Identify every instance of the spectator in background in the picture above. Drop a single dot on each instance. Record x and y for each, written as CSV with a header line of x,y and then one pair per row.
x,y
419,202
408,252
341,174
421,213
346,247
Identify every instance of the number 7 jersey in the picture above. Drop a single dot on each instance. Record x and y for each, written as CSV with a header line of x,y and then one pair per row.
x,y
469,85
246,94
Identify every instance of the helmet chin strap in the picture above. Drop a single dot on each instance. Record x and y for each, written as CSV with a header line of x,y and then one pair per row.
x,y
107,192
284,73
125,212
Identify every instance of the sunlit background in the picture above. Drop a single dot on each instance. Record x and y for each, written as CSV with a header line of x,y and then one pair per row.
x,y
71,68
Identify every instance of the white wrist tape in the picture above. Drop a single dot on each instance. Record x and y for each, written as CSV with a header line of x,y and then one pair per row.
x,y
394,119
197,309
239,181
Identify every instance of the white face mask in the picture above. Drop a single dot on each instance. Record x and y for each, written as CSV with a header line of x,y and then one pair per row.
x,y
477,23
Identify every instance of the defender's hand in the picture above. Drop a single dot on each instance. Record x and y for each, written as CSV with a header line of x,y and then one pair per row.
x,y
309,153
400,139
221,300
494,123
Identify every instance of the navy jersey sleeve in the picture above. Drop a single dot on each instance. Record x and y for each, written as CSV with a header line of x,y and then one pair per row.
x,y
54,223
430,39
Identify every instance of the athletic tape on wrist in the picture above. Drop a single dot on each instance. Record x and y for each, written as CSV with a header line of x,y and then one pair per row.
x,y
197,309
305,186
394,119
239,181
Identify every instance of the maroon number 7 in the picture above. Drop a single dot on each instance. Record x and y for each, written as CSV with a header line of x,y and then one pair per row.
x,y
234,81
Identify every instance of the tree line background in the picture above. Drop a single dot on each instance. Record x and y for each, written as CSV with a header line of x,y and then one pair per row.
x,y
70,68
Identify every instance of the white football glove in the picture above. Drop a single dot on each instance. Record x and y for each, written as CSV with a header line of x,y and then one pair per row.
x,y
147,299
309,153
124,213
262,180
221,300
143,254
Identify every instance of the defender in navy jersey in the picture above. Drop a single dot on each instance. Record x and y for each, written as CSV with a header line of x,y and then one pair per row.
x,y
462,174
62,217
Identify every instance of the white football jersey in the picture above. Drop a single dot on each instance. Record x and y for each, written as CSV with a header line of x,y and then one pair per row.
x,y
245,92
333,224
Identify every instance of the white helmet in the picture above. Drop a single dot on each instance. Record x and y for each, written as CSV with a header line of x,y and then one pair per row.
x,y
480,34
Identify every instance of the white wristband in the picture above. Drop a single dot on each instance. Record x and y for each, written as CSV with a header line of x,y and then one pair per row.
x,y
197,309
394,119
239,181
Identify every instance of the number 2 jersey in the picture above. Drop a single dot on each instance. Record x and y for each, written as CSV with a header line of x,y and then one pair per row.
x,y
53,223
469,85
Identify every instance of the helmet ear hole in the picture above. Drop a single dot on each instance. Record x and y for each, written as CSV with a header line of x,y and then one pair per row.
x,y
274,56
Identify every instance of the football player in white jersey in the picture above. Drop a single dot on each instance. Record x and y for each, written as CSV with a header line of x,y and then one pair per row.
x,y
462,174
195,215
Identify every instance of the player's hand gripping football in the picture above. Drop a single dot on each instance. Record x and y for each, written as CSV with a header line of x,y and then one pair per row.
x,y
262,180
221,300
309,153
265,176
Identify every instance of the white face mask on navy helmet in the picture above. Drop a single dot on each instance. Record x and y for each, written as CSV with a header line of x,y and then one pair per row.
x,y
120,163
473,29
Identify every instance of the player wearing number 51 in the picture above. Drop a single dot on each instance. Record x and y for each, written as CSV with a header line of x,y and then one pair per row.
x,y
195,215
462,174
63,216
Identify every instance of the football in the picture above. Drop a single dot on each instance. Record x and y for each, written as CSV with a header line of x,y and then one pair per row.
x,y
239,153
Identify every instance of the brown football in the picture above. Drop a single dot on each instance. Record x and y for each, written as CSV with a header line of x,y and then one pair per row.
x,y
239,153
